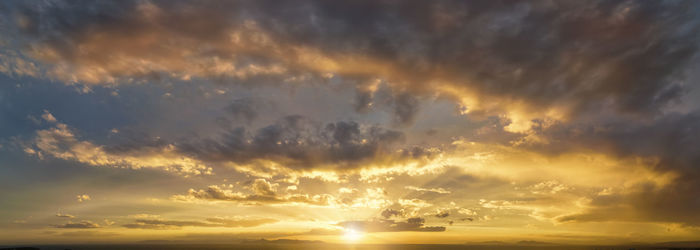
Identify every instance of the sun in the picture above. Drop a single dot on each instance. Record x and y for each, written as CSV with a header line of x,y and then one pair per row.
x,y
352,235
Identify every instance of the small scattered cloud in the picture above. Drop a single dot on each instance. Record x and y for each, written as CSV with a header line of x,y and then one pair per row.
x,y
83,197
82,224
434,190
47,116
442,214
108,222
61,215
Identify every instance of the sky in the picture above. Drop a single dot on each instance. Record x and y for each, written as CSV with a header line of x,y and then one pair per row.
x,y
441,122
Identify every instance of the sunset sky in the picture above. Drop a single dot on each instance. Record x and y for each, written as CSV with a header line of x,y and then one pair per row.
x,y
571,122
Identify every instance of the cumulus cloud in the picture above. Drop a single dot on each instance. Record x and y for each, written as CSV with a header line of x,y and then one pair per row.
x,y
83,197
263,194
61,142
47,116
209,222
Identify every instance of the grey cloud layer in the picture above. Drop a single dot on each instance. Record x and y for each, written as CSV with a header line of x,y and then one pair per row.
x,y
300,143
629,56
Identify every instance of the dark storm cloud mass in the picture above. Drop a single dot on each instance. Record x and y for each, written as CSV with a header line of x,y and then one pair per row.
x,y
627,56
384,225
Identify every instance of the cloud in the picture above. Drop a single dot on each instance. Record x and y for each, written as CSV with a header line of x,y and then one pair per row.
x,y
209,222
61,142
263,194
388,213
89,234
296,142
83,197
510,59
82,224
384,225
405,108
64,215
292,147
245,109
433,190
263,188
667,145
551,187
442,214
414,203
552,79
47,116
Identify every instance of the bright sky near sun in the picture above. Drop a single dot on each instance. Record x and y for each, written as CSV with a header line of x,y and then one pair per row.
x,y
571,122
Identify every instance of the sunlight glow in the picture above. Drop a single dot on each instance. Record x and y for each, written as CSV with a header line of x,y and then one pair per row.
x,y
352,235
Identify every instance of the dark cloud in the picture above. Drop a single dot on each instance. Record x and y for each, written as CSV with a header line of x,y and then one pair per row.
x,y
388,213
82,224
263,194
209,222
363,101
263,188
245,109
384,225
626,55
299,143
442,214
405,109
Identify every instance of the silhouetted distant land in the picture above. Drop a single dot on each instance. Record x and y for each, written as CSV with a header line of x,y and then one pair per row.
x,y
292,244
282,241
534,243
